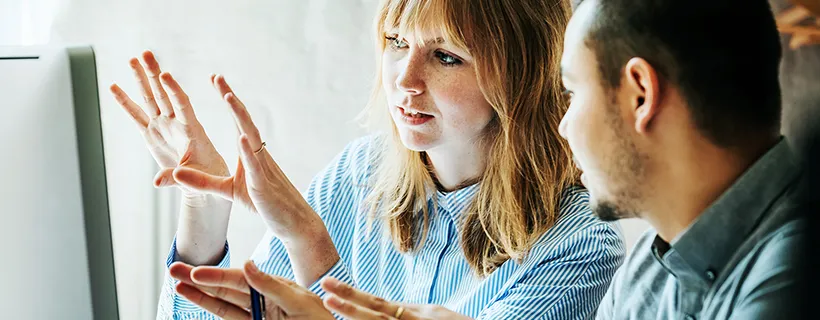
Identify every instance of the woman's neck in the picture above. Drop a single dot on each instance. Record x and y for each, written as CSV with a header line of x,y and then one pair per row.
x,y
455,167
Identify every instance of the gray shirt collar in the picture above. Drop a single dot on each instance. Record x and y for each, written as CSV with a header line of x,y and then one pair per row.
x,y
708,243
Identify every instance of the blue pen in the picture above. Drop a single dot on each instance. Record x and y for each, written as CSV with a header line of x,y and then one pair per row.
x,y
257,305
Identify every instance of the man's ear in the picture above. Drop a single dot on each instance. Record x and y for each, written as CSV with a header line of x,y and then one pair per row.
x,y
642,89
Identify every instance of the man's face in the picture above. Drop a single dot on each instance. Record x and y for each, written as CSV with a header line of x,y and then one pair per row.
x,y
598,128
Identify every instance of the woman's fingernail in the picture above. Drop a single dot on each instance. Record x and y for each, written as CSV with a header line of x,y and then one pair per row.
x,y
252,267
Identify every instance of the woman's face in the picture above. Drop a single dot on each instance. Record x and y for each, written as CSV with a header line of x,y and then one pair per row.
x,y
433,93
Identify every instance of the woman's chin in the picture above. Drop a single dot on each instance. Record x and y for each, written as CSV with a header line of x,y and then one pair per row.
x,y
416,141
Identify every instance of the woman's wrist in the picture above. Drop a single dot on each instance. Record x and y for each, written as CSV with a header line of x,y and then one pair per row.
x,y
306,232
202,228
312,253
199,200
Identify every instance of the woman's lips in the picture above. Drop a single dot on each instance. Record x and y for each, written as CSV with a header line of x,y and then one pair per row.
x,y
414,118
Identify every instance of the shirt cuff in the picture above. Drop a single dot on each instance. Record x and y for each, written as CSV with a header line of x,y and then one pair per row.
x,y
173,256
338,271
171,304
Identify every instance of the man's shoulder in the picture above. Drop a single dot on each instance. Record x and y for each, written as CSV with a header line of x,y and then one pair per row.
x,y
778,241
764,278
777,249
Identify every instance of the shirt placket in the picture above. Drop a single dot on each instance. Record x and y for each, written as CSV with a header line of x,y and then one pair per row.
x,y
420,284
691,289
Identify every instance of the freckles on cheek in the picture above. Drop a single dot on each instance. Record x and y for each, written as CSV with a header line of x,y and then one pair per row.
x,y
467,112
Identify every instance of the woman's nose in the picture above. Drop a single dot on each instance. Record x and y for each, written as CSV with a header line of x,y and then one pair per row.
x,y
411,73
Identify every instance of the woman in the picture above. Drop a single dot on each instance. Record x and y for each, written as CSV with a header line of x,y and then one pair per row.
x,y
469,200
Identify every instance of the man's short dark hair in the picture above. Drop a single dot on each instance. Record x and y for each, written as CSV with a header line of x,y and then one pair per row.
x,y
723,56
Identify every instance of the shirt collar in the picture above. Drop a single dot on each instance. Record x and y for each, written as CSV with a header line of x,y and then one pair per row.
x,y
453,203
710,241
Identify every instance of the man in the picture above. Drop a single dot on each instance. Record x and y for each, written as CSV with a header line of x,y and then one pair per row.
x,y
675,119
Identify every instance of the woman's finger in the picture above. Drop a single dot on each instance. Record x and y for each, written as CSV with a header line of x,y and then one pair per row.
x,y
220,308
165,178
243,120
153,71
150,107
226,284
133,109
351,310
201,181
237,298
181,271
215,276
289,296
348,293
236,295
182,103
221,86
251,164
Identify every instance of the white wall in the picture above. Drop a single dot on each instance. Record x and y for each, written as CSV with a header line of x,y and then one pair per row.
x,y
10,22
633,229
304,69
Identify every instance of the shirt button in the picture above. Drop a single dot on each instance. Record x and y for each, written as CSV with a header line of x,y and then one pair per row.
x,y
690,317
710,275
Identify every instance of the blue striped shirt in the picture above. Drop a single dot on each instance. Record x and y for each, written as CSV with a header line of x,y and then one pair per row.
x,y
564,276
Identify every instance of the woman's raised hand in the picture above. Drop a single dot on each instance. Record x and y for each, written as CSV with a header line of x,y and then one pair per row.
x,y
189,160
168,124
258,183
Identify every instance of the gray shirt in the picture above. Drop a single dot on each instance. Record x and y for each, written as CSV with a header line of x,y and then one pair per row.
x,y
738,260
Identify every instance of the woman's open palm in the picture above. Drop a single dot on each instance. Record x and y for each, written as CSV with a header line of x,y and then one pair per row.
x,y
168,124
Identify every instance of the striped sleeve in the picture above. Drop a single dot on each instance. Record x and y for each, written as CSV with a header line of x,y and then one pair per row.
x,y
607,306
567,284
171,305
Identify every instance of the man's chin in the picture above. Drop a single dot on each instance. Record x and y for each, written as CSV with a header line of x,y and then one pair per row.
x,y
608,211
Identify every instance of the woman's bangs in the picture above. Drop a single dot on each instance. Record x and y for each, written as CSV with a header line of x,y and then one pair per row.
x,y
427,20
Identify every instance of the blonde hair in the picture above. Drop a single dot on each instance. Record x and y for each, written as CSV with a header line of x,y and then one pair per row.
x,y
516,46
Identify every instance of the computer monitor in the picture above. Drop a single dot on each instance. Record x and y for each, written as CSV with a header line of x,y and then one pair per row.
x,y
55,232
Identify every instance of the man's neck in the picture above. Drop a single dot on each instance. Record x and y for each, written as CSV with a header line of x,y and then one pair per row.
x,y
691,181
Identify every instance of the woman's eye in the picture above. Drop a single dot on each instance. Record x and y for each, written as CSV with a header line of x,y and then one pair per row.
x,y
395,43
447,60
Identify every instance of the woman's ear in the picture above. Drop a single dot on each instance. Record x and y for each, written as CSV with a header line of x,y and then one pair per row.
x,y
643,92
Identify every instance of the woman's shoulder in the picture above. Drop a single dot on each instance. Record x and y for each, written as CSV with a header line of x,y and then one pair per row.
x,y
578,226
574,201
340,185
359,157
